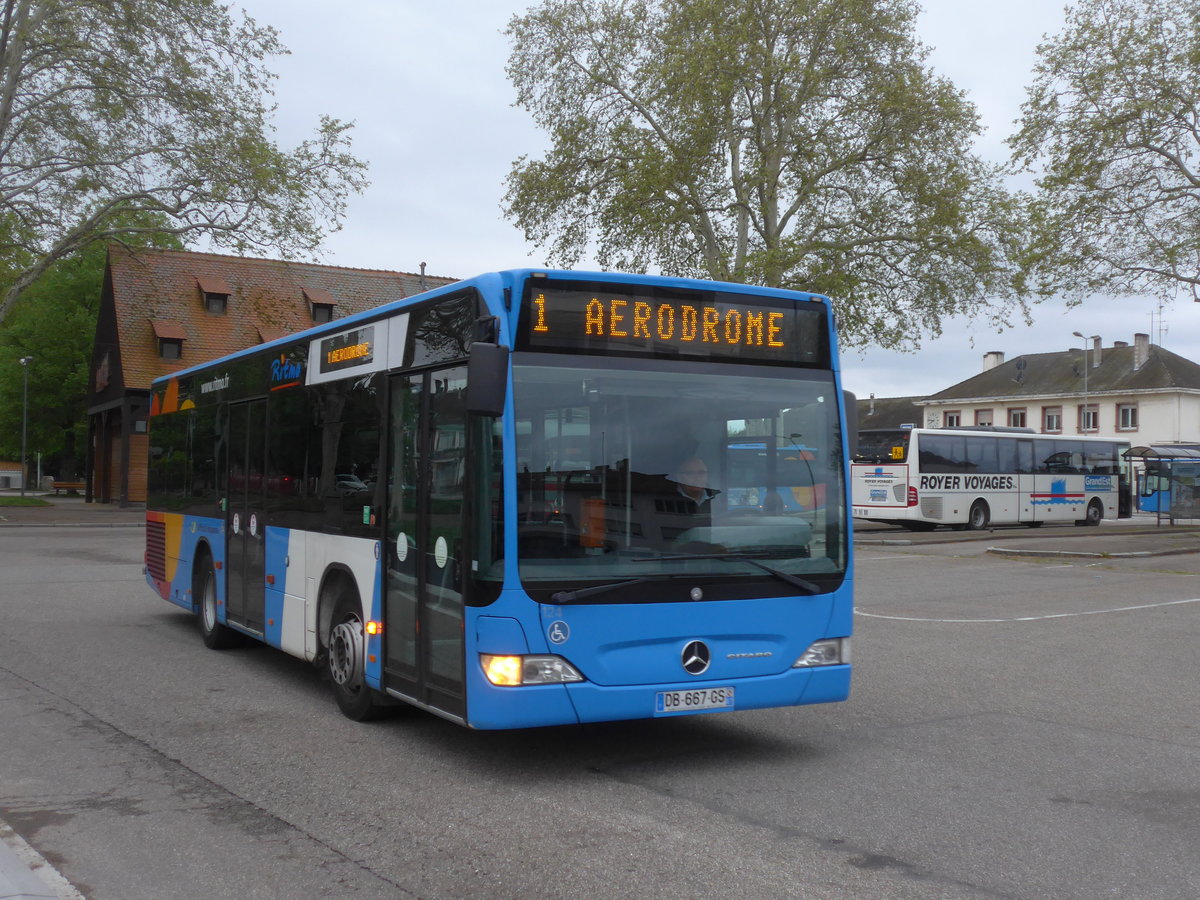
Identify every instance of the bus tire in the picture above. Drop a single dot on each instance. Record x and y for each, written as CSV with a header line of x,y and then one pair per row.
x,y
216,636
979,516
346,654
1095,512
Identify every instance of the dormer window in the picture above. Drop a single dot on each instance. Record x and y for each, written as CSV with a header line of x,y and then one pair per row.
x,y
214,294
321,304
170,337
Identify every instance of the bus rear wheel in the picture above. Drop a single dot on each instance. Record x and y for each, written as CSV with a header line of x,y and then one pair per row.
x,y
979,517
1095,512
346,655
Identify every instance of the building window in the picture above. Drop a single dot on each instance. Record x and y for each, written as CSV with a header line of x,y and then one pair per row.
x,y
170,337
952,419
1016,418
214,293
1052,419
1088,418
983,417
1127,417
321,304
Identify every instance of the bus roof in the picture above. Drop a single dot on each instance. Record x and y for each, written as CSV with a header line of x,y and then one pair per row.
x,y
497,282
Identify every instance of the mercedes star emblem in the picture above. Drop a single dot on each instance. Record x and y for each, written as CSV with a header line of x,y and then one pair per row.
x,y
696,657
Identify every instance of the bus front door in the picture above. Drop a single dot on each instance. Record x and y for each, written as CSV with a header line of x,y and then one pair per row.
x,y
245,522
423,637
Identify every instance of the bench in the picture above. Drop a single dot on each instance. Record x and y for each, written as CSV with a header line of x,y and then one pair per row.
x,y
71,487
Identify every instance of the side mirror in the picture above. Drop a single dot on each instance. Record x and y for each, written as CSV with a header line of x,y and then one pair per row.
x,y
851,404
487,379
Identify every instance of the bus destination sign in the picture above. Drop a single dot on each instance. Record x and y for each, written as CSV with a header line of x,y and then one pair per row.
x,y
713,325
349,350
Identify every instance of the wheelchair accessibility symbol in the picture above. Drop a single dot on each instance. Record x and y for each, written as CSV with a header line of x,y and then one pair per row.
x,y
558,632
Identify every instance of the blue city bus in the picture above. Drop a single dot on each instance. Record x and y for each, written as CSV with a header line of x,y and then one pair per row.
x,y
463,501
1169,483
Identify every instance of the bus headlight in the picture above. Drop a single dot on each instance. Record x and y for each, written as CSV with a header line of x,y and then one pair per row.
x,y
827,652
511,671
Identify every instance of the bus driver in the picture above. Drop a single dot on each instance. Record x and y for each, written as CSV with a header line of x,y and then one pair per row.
x,y
691,481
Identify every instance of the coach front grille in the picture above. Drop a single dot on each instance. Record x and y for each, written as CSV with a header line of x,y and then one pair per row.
x,y
156,550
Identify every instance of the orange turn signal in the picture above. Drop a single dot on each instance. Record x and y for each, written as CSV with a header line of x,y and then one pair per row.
x,y
501,670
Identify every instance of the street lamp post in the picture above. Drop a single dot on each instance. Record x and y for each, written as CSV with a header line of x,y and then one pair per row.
x,y
25,361
1083,424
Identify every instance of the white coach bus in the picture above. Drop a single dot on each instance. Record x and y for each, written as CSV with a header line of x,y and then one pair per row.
x,y
973,478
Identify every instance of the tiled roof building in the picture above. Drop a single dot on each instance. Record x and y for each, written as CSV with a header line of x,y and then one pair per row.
x,y
1138,391
166,310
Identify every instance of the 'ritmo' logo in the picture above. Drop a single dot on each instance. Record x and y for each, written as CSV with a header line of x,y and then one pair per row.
x,y
284,369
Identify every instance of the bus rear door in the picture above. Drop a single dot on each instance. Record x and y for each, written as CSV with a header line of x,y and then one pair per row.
x,y
245,522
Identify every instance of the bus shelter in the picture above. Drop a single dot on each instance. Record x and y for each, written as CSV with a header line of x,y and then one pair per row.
x,y
1170,481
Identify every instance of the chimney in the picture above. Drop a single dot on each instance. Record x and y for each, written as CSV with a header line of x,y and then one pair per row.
x,y
1141,350
1117,345
872,410
1096,348
992,359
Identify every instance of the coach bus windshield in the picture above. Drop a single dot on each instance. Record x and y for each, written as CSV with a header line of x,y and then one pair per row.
x,y
631,469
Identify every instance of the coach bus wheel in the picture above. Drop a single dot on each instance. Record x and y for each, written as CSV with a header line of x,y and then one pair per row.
x,y
216,636
1095,512
979,516
346,653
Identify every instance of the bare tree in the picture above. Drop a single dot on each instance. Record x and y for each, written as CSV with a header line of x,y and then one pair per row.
x,y
113,107
793,143
1112,127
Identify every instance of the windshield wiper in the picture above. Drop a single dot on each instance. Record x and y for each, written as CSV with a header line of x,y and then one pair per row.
x,y
583,593
794,580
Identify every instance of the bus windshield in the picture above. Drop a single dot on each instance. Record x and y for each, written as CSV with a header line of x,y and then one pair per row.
x,y
635,468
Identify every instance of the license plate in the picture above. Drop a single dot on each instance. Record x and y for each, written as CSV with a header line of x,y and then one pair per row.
x,y
669,702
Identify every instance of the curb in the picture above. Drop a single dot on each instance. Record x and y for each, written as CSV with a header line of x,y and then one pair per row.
x,y
1056,554
18,881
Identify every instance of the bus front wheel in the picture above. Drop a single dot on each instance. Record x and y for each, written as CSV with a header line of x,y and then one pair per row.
x,y
346,656
1095,512
216,636
978,518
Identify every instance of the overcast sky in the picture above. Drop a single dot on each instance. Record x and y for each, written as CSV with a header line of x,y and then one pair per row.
x,y
424,84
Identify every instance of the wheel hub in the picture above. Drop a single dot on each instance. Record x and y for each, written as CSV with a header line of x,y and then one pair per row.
x,y
208,605
345,653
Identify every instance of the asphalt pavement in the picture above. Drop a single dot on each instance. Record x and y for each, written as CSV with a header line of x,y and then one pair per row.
x,y
1137,537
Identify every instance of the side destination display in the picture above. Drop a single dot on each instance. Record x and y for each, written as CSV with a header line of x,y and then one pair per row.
x,y
375,347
